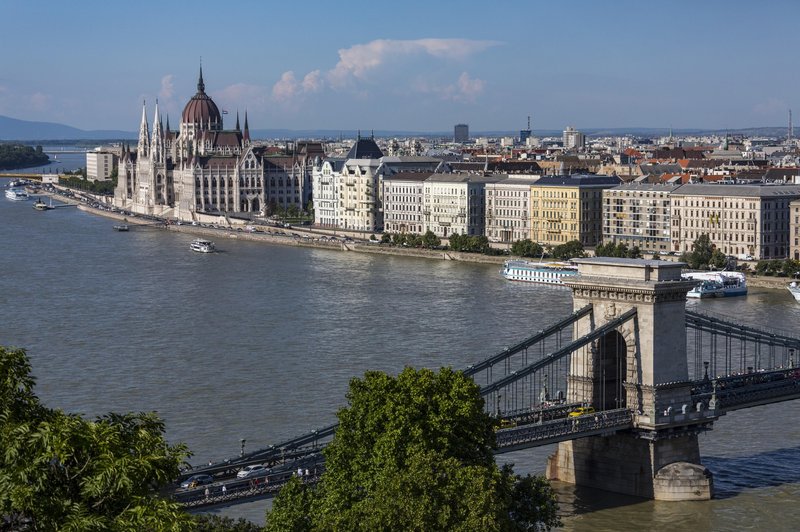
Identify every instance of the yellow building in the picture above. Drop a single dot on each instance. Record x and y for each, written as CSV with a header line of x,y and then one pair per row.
x,y
566,208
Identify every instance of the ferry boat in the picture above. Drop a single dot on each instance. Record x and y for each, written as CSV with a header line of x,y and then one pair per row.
x,y
202,246
538,272
794,288
122,227
16,194
717,284
41,206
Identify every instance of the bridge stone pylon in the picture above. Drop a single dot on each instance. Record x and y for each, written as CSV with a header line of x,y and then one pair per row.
x,y
642,366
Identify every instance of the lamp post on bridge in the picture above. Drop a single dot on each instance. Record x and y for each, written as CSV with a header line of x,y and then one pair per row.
x,y
241,452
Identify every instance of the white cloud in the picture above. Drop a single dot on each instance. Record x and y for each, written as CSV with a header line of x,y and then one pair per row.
x,y
286,87
355,62
464,90
243,96
313,82
167,88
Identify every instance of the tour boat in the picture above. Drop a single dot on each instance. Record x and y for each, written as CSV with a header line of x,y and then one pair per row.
x,y
122,227
717,284
538,272
202,246
794,288
16,194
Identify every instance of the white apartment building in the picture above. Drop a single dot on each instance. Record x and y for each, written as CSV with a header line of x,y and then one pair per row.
x,y
639,215
739,219
455,204
573,139
325,183
358,191
99,165
508,209
403,202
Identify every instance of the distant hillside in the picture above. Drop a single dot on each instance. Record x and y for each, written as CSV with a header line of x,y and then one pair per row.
x,y
24,130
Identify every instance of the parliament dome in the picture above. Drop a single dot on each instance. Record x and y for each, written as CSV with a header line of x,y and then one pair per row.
x,y
201,109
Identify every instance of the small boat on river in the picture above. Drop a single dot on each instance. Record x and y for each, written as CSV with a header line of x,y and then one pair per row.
x,y
17,194
202,246
122,227
794,288
42,206
717,284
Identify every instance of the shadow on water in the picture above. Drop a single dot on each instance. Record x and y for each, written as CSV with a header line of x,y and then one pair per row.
x,y
732,476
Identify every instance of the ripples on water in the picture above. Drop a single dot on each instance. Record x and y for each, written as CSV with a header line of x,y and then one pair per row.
x,y
259,342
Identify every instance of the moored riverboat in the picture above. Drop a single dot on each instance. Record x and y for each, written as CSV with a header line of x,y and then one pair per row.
x,y
538,272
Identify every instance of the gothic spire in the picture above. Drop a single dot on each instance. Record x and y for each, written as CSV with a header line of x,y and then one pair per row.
x,y
144,133
201,87
246,128
237,121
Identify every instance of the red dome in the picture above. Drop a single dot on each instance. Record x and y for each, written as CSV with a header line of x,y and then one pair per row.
x,y
201,108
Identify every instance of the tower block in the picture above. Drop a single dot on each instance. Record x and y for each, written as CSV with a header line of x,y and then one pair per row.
x,y
641,366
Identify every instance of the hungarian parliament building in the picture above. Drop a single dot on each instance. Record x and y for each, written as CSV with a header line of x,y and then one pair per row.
x,y
205,169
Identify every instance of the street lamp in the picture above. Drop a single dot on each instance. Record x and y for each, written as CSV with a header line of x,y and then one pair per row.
x,y
242,441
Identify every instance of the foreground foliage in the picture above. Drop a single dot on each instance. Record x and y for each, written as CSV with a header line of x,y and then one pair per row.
x,y
60,471
414,452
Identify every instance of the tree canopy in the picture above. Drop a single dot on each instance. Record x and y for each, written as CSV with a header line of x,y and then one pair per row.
x,y
13,156
700,256
527,248
569,250
60,471
617,250
414,452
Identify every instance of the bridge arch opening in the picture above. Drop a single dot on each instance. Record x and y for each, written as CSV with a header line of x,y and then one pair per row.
x,y
613,367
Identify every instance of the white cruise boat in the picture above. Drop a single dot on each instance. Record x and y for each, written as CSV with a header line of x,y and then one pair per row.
x,y
717,284
794,288
538,272
17,194
202,246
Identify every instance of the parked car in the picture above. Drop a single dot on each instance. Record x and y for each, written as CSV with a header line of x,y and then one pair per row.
x,y
252,471
197,480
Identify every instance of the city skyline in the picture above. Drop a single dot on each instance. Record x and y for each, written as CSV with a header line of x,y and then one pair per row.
x,y
417,68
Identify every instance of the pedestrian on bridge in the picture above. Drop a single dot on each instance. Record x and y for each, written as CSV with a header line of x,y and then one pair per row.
x,y
224,489
207,493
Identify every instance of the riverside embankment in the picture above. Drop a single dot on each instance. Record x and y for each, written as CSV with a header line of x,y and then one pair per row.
x,y
314,238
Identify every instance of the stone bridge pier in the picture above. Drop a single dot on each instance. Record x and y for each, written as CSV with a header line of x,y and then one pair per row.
x,y
642,366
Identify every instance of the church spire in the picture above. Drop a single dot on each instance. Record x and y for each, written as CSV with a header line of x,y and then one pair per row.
x,y
144,133
246,129
157,143
237,121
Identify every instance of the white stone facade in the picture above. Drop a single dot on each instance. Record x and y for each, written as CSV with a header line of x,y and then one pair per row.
x,y
508,210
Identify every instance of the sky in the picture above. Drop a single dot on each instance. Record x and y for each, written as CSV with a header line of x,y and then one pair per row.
x,y
404,66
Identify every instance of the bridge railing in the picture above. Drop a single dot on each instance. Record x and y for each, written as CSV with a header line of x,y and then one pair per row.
x,y
563,429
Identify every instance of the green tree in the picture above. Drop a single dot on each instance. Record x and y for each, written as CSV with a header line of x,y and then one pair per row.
x,y
414,452
430,240
386,238
292,509
700,256
60,471
570,250
718,260
527,248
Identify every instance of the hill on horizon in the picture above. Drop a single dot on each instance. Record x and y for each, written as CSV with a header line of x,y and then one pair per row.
x,y
13,129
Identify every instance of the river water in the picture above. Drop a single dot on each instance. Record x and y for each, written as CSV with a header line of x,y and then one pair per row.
x,y
258,342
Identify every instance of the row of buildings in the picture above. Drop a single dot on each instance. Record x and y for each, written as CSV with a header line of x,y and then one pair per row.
x,y
202,169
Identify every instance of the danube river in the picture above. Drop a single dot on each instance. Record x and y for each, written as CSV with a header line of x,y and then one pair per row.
x,y
258,342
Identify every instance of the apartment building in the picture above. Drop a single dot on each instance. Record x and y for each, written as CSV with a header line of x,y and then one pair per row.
x,y
508,210
794,229
455,204
639,215
566,208
99,165
739,219
403,202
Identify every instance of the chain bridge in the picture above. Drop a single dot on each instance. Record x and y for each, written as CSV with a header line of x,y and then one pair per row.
x,y
623,385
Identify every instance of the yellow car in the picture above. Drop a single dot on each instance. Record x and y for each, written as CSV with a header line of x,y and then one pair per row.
x,y
582,411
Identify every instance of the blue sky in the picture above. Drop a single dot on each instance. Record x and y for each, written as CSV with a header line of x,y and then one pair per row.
x,y
408,65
